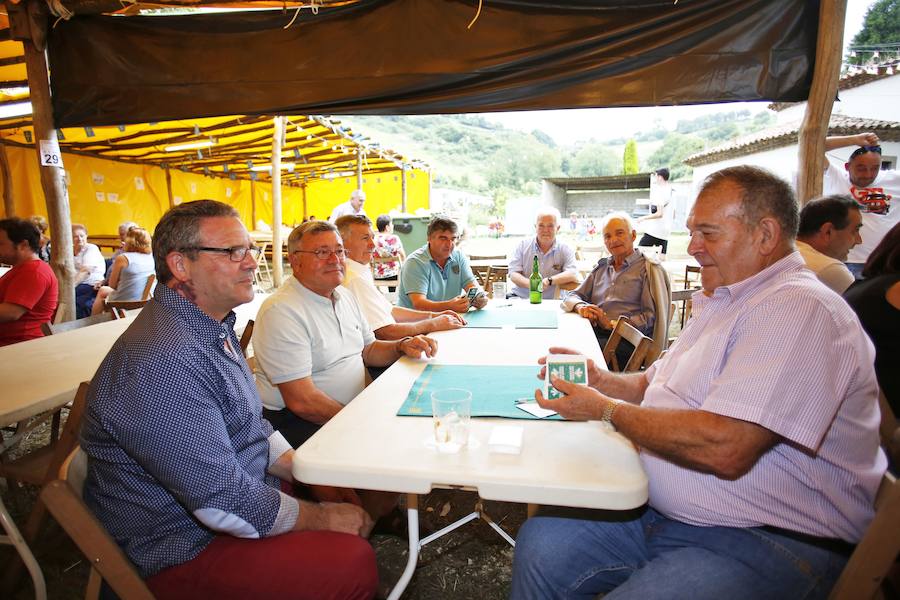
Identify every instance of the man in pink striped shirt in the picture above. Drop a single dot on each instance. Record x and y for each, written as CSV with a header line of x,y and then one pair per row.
x,y
758,431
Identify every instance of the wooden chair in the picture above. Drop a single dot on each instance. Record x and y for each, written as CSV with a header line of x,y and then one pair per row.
x,y
40,467
876,553
590,252
108,562
55,328
134,304
691,281
245,337
263,263
565,286
625,330
495,274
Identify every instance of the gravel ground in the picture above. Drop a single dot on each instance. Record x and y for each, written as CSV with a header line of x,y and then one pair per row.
x,y
470,562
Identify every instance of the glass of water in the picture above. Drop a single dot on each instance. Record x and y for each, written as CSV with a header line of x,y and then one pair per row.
x,y
452,409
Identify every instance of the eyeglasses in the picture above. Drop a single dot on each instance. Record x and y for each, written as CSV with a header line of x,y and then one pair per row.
x,y
235,253
864,149
324,253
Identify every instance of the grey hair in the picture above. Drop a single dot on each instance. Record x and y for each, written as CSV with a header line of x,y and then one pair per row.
x,y
344,223
179,230
308,228
548,211
763,194
617,215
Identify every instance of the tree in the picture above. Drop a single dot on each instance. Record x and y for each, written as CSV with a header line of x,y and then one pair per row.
x,y
674,149
630,159
881,26
592,160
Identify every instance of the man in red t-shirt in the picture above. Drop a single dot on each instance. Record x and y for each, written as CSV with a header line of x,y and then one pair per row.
x,y
29,291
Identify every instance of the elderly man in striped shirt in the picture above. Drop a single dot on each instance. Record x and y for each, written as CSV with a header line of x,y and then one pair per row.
x,y
758,431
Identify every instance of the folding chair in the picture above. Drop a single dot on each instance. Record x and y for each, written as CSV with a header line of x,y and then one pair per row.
x,y
38,468
245,337
13,537
624,330
108,562
691,279
876,553
133,304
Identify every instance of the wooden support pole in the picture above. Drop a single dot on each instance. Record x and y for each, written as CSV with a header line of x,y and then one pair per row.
x,y
814,129
169,188
9,201
403,188
305,212
52,177
253,202
359,178
277,139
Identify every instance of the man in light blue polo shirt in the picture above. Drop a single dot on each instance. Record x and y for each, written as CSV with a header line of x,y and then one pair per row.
x,y
437,276
556,260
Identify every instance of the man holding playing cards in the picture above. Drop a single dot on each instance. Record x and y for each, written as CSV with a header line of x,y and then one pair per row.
x,y
758,431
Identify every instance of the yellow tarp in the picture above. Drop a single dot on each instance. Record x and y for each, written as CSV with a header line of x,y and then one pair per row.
x,y
104,193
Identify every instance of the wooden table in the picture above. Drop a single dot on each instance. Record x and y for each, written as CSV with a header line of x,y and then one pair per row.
x,y
561,463
43,374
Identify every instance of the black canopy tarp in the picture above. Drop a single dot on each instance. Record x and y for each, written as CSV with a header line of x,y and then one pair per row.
x,y
417,56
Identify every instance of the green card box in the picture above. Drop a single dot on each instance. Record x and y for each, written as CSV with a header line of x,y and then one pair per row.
x,y
571,367
496,389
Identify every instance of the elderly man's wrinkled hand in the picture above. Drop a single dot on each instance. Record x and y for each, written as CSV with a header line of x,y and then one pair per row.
x,y
580,402
414,347
592,313
453,315
444,322
346,518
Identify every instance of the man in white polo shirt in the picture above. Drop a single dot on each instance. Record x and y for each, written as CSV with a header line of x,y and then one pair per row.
x,y
829,229
388,322
312,342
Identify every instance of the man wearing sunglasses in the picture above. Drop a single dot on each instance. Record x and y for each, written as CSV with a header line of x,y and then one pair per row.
x,y
183,470
874,190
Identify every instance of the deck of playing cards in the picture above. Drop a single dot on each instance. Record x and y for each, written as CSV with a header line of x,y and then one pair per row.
x,y
571,367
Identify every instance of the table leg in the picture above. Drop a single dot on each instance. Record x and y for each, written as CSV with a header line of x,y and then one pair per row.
x,y
412,515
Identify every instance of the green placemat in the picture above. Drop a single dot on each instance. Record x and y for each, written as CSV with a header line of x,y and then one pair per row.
x,y
495,389
510,316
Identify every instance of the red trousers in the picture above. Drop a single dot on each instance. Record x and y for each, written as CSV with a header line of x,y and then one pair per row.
x,y
301,564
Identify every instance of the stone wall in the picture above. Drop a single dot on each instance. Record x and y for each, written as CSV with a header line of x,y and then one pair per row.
x,y
599,204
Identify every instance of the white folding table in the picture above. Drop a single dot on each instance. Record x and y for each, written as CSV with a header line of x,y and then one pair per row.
x,y
577,464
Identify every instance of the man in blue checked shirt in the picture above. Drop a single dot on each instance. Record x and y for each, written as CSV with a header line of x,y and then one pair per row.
x,y
183,471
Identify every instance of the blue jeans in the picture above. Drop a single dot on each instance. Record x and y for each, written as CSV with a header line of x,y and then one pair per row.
x,y
652,557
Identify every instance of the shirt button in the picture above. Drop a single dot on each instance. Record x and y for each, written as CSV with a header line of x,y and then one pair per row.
x,y
221,336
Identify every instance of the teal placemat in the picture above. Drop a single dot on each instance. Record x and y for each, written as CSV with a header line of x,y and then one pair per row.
x,y
509,316
495,389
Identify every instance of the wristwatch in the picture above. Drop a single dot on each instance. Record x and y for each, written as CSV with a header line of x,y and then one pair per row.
x,y
609,409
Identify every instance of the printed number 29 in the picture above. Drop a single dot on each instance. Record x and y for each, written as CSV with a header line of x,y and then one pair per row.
x,y
51,159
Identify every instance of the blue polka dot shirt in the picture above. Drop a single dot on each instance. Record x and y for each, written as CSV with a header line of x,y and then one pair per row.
x,y
177,447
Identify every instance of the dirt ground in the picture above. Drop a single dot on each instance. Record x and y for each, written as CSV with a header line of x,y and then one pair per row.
x,y
473,561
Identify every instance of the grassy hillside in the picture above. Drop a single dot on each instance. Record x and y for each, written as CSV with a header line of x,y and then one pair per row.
x,y
471,153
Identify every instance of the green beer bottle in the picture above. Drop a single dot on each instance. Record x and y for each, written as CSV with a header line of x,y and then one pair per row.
x,y
536,294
